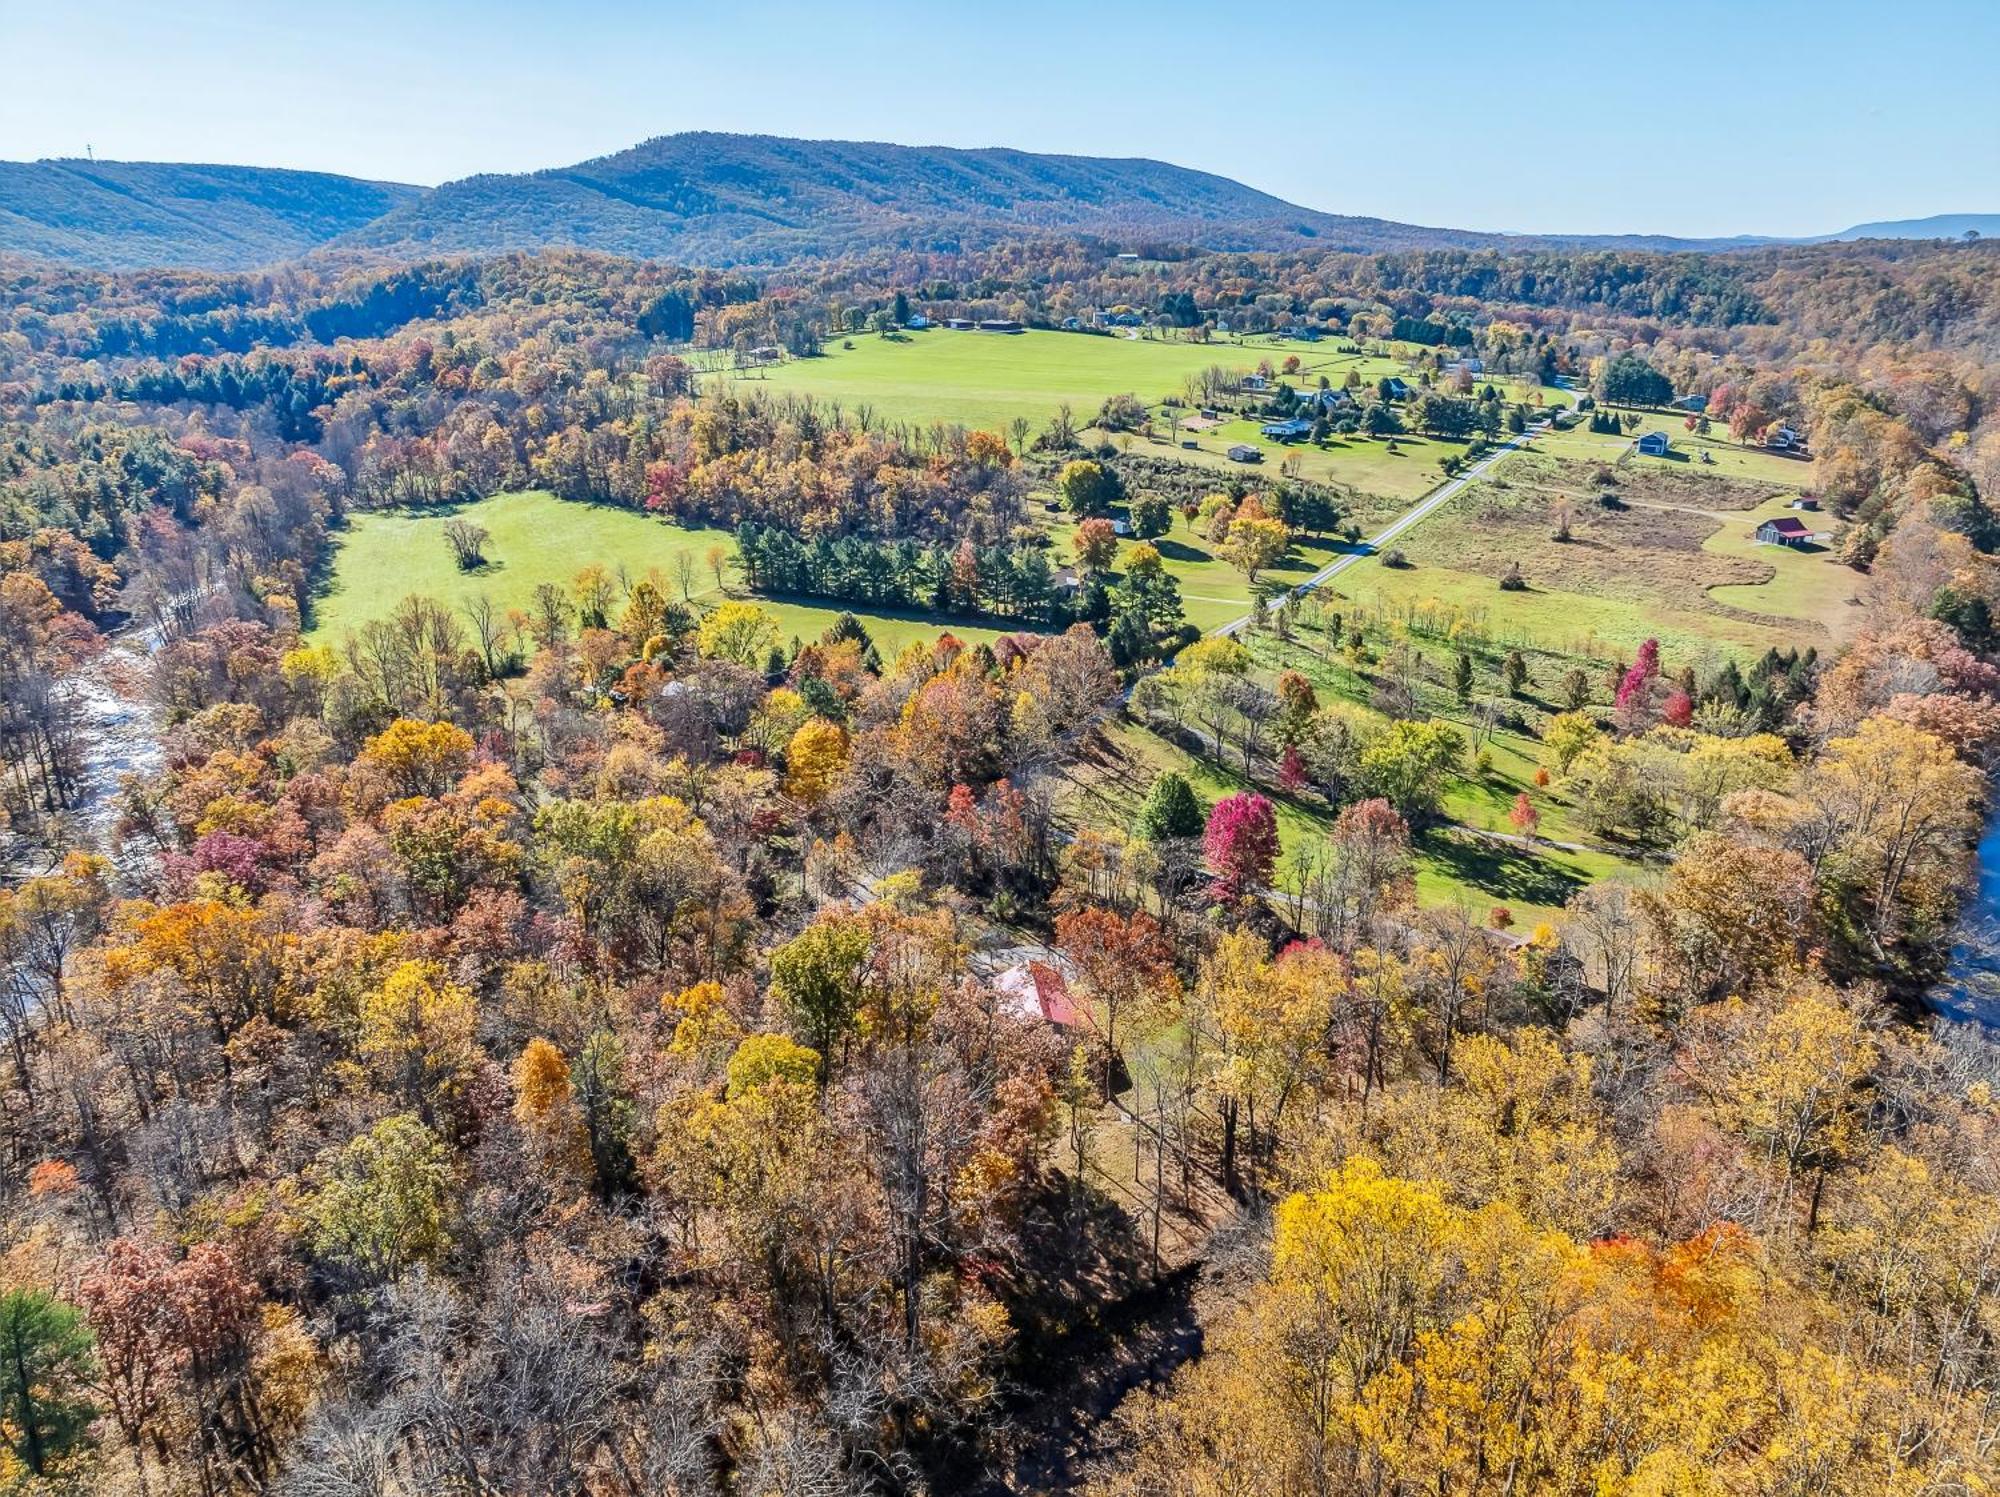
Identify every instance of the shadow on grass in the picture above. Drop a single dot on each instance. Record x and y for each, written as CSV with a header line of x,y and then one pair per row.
x,y
1506,872
1180,551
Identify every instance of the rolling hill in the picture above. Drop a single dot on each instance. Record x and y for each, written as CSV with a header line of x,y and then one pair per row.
x,y
719,200
128,214
734,198
1937,226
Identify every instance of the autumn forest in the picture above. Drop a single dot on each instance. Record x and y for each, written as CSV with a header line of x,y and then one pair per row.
x,y
971,957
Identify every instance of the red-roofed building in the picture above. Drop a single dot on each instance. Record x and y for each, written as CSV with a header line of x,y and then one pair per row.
x,y
1035,990
1783,531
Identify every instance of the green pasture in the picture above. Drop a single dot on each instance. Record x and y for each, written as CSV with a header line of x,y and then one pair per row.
x,y
986,380
382,557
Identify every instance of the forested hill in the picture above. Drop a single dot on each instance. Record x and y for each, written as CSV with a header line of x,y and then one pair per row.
x,y
128,214
703,198
723,199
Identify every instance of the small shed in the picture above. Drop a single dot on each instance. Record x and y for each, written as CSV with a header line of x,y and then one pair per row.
x,y
1654,444
1783,531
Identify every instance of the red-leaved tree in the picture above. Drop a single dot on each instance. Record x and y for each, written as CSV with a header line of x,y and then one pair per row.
x,y
1241,844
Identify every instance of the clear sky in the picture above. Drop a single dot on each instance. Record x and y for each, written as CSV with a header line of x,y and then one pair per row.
x,y
1684,116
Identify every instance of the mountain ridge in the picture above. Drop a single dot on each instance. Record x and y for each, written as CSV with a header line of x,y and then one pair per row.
x,y
725,199
121,215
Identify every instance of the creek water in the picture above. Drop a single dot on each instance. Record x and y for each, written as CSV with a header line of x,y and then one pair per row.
x,y
1970,988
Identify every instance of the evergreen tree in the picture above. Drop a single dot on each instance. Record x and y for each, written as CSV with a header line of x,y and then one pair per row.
x,y
1171,810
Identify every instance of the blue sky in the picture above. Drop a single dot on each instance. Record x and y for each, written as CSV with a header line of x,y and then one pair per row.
x,y
1780,117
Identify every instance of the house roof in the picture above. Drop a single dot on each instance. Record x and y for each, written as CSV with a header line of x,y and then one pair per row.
x,y
1035,990
1786,525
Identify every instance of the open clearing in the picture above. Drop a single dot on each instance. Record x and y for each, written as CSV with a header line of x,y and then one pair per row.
x,y
383,557
1674,557
988,379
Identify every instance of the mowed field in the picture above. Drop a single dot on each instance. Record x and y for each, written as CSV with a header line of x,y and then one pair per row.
x,y
383,557
986,380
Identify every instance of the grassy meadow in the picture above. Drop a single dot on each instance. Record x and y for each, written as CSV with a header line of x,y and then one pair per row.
x,y
382,557
988,379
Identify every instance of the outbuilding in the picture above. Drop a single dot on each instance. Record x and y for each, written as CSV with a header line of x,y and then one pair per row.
x,y
1243,452
1783,531
1654,444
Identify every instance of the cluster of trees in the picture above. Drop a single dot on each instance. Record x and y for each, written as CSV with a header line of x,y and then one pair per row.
x,y
1015,582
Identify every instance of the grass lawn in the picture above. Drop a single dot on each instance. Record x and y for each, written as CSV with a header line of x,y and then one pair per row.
x,y
1453,866
1729,459
1213,592
987,379
1396,478
383,557
1806,584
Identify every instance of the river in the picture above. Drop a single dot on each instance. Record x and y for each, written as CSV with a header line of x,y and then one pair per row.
x,y
1970,988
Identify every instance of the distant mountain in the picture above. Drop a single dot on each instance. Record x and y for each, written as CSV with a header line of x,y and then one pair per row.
x,y
119,215
721,199
1938,226
718,200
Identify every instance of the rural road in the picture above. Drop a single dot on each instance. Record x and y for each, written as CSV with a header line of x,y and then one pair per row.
x,y
1435,500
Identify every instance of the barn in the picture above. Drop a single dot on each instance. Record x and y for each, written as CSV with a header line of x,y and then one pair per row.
x,y
1783,531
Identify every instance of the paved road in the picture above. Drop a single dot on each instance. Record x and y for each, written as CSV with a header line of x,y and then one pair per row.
x,y
1435,500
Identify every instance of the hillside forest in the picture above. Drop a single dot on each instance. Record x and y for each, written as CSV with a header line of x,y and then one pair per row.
x,y
612,1046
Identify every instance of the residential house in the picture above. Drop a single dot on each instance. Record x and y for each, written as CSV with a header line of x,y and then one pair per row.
x,y
1255,382
918,322
1243,452
1784,439
1654,444
1695,403
1398,389
1287,431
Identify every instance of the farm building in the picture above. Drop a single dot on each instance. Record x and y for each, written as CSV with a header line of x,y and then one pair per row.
x,y
1000,325
1783,531
1654,444
1243,452
960,324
